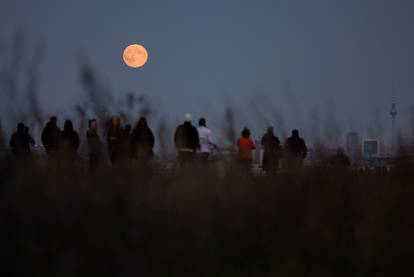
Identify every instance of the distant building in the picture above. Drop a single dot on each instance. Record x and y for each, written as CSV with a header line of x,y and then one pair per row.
x,y
352,143
371,147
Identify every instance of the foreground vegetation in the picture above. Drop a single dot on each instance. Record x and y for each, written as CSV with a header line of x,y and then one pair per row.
x,y
322,221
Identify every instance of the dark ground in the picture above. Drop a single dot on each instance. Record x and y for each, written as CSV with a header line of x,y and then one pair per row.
x,y
320,222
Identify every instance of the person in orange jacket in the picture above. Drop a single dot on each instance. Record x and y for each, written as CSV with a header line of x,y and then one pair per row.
x,y
245,148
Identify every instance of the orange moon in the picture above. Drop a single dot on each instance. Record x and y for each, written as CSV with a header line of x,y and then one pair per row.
x,y
135,55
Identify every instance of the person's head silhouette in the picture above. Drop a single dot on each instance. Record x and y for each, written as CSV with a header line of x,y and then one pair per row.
x,y
295,133
270,129
53,120
115,121
142,121
245,133
92,124
68,127
20,127
202,122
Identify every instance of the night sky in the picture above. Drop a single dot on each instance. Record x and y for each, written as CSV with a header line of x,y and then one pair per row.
x,y
272,61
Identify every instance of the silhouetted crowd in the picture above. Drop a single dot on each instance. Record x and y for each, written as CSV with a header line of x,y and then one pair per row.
x,y
192,144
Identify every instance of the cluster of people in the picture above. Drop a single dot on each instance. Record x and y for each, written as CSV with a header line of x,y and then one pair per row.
x,y
123,143
63,144
126,143
293,152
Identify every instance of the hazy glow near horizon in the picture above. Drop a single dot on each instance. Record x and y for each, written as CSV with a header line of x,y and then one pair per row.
x,y
135,55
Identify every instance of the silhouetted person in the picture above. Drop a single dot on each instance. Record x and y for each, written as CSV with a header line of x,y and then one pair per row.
x,y
204,135
186,140
94,145
51,136
340,160
142,141
295,151
245,148
271,151
20,142
70,142
114,139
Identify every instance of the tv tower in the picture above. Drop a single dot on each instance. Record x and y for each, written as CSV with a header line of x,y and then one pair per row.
x,y
393,113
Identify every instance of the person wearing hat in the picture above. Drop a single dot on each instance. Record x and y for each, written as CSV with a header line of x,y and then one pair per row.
x,y
186,140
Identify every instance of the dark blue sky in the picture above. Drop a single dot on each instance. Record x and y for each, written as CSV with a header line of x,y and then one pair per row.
x,y
292,58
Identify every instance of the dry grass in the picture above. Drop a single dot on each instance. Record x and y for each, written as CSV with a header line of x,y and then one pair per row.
x,y
321,222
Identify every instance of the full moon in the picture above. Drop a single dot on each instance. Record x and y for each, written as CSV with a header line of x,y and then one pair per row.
x,y
135,55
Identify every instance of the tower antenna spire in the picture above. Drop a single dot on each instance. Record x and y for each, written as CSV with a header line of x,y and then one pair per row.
x,y
393,113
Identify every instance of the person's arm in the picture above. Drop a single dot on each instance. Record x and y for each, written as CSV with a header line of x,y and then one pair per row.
x,y
197,139
44,139
208,137
176,138
305,149
152,138
30,139
252,145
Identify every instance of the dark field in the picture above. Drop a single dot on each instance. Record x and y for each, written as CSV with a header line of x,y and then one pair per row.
x,y
206,222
